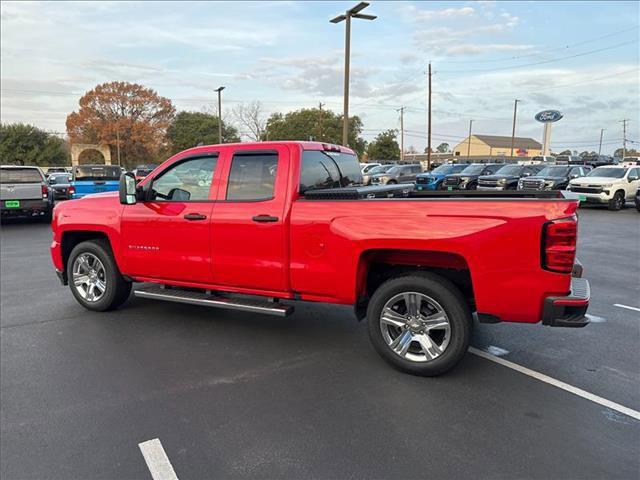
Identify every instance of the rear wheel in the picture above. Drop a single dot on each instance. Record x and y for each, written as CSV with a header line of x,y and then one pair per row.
x,y
94,278
617,202
391,182
419,323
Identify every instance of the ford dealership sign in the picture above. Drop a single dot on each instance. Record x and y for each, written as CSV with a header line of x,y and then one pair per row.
x,y
548,116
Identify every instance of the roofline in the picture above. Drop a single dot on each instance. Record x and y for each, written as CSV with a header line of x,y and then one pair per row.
x,y
305,145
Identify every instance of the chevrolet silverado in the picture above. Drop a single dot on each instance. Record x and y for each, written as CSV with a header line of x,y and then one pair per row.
x,y
257,227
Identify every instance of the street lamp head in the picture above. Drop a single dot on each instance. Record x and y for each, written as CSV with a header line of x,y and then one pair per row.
x,y
338,19
357,8
364,16
219,89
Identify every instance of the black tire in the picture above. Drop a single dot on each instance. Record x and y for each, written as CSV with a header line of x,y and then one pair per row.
x,y
617,202
391,182
48,215
117,288
450,299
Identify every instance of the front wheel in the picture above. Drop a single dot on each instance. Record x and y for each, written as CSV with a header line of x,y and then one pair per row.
x,y
94,278
421,323
617,202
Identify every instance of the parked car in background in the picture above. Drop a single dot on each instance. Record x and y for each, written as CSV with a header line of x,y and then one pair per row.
x,y
366,167
467,179
569,160
612,186
366,178
52,170
60,184
630,161
24,192
142,171
397,174
433,180
539,159
637,200
553,177
599,160
507,177
87,179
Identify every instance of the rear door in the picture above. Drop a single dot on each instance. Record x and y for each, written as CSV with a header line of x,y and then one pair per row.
x,y
248,230
21,184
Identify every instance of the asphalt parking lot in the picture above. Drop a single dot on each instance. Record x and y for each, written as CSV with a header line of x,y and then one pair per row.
x,y
234,395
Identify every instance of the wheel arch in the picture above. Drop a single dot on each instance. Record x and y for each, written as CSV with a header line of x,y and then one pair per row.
x,y
376,266
71,238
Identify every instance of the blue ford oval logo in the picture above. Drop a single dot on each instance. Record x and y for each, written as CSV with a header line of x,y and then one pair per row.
x,y
547,116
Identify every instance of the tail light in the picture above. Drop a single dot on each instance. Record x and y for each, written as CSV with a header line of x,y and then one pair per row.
x,y
45,191
72,190
559,244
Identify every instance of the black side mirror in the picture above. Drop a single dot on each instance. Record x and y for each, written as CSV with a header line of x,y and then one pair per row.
x,y
127,189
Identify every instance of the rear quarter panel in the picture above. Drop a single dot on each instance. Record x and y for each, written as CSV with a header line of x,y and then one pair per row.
x,y
499,239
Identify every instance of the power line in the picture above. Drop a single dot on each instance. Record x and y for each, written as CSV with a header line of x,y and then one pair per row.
x,y
541,62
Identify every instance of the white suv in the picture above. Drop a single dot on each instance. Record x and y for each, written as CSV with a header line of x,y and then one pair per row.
x,y
610,185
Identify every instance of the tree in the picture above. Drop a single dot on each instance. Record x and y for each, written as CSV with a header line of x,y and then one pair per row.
x,y
251,117
136,115
630,152
22,144
565,152
314,123
443,148
190,129
385,146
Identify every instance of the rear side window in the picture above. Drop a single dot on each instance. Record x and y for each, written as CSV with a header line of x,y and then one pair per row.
x,y
322,169
252,176
20,175
96,173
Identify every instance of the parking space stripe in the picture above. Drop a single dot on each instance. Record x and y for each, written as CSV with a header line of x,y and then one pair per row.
x,y
557,383
157,460
627,307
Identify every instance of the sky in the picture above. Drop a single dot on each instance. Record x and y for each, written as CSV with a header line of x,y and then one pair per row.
x,y
581,58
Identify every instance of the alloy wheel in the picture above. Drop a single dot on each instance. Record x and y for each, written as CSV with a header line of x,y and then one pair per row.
x,y
89,277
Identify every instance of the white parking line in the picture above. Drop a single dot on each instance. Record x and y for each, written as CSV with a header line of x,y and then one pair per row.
x,y
157,460
627,307
557,383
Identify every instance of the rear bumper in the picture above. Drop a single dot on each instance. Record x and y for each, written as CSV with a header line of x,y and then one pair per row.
x,y
28,208
570,310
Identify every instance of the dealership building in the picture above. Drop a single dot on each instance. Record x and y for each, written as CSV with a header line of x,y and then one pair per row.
x,y
494,145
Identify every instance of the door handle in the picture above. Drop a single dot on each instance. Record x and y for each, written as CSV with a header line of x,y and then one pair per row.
x,y
264,218
195,216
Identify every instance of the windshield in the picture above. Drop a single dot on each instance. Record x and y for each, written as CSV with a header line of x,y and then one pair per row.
x,y
607,172
553,172
473,170
20,175
510,170
96,172
60,177
380,169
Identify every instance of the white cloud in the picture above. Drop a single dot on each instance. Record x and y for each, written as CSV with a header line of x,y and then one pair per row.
x,y
421,15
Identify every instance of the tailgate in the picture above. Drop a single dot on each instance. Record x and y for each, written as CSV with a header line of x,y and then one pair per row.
x,y
20,191
97,186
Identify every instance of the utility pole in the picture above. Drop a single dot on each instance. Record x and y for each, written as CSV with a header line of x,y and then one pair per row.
x,y
624,136
352,12
219,90
600,146
469,142
429,124
401,110
513,131
320,105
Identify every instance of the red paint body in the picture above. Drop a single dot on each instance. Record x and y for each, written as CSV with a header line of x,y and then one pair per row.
x,y
321,250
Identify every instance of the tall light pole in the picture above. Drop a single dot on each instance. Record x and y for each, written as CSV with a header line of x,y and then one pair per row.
x,y
600,146
469,143
513,131
401,110
219,90
355,13
624,136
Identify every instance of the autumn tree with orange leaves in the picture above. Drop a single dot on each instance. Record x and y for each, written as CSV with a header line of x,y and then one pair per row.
x,y
135,115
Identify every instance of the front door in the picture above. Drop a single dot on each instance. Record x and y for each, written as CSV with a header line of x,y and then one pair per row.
x,y
167,236
248,227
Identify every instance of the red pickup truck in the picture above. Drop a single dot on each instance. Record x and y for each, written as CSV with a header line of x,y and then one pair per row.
x,y
256,227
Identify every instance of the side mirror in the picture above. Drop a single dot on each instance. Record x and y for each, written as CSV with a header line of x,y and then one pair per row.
x,y
574,175
632,178
127,189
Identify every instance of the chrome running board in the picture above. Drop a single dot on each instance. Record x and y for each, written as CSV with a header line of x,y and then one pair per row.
x,y
209,300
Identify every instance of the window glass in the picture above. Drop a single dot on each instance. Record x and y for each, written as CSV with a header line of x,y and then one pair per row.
x,y
186,181
634,172
96,173
20,175
611,172
252,176
320,171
